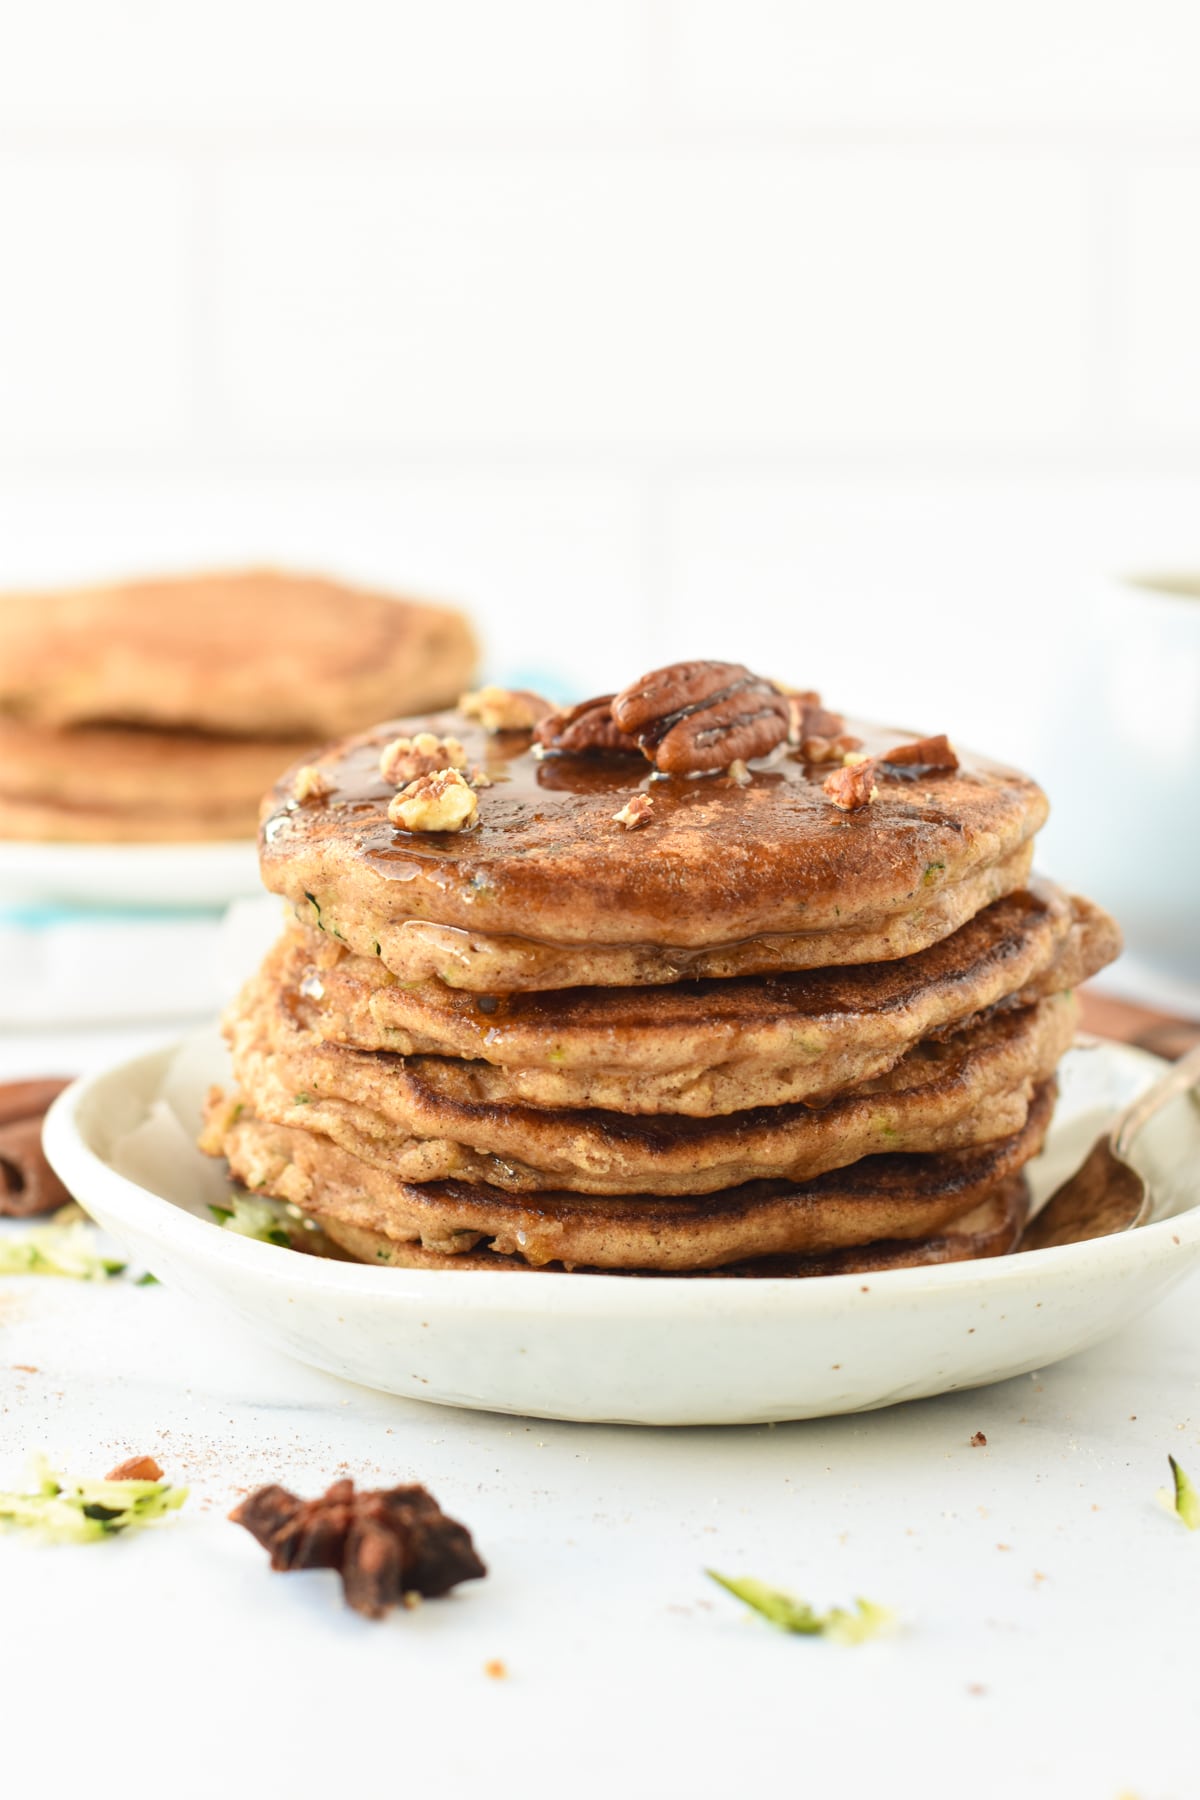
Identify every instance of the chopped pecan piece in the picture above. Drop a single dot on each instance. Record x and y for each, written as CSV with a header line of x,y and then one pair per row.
x,y
635,812
694,716
28,1184
504,709
385,1543
443,801
588,726
738,773
811,720
852,786
928,753
405,758
136,1468
311,783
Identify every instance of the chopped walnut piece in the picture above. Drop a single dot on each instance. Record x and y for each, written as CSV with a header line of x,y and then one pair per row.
x,y
136,1468
819,750
852,786
405,758
927,753
311,783
443,801
479,778
635,812
387,1544
739,773
504,709
978,1441
852,757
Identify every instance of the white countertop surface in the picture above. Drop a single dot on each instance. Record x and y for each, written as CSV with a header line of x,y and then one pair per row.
x,y
1047,1603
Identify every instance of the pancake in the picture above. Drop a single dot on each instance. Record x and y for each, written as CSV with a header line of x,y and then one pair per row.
x,y
259,653
992,1228
729,877
879,1198
416,1116
140,769
699,1048
699,977
114,783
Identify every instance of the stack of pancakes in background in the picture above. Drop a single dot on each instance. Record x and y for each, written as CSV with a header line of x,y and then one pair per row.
x,y
159,711
694,978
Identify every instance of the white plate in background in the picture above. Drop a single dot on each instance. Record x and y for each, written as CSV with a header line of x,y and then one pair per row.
x,y
150,875
77,968
648,1351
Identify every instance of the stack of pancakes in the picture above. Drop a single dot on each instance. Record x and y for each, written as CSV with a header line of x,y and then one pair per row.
x,y
792,1011
158,711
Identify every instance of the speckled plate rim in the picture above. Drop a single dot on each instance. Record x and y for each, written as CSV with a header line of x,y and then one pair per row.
x,y
119,1201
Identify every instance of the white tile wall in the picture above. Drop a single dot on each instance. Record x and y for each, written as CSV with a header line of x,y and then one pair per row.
x,y
813,333
254,65
96,312
1160,209
927,64
666,301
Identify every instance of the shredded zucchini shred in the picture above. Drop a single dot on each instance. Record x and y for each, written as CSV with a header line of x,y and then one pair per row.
x,y
64,1246
1187,1500
784,1611
61,1510
264,1220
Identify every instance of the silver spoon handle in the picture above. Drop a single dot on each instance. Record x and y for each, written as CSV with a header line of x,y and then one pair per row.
x,y
1178,1079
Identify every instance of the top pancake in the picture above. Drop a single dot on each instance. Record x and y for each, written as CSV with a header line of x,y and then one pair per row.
x,y
258,653
547,890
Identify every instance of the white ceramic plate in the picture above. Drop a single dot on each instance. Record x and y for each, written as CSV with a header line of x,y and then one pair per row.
x,y
662,1352
129,874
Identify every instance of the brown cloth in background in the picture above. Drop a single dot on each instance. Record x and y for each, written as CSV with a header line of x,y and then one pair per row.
x,y
1137,1025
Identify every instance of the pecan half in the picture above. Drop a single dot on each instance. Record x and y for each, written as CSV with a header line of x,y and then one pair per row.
x,y
852,786
702,715
929,753
28,1184
588,726
387,1544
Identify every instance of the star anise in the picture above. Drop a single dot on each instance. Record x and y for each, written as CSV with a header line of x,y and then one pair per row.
x,y
385,1543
